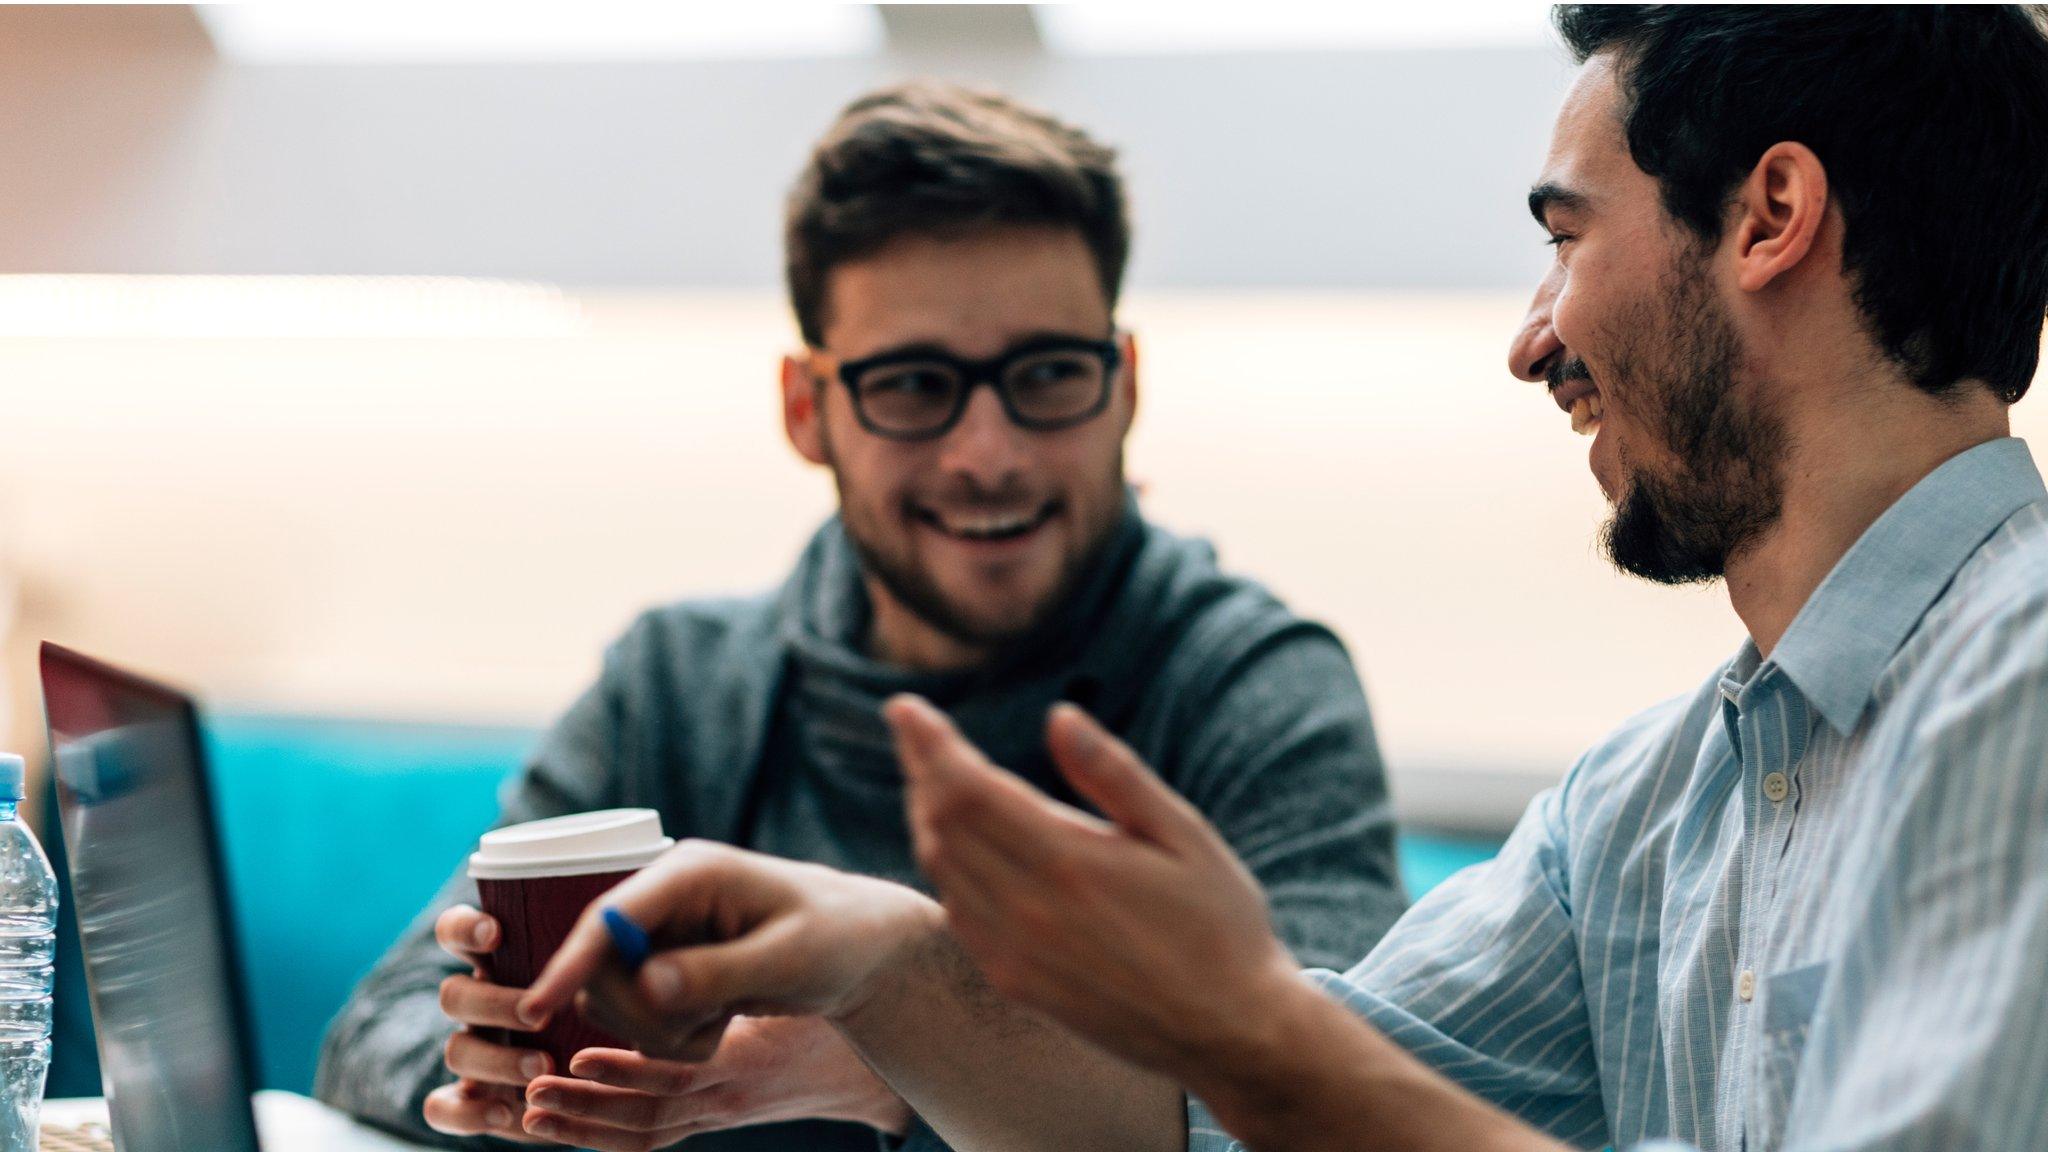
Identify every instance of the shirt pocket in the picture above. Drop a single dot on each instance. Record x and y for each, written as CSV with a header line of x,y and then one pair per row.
x,y
1788,1002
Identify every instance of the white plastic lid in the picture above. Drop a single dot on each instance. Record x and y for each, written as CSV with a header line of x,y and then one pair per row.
x,y
614,840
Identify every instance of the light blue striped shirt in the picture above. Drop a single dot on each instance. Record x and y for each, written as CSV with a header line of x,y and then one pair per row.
x,y
1804,907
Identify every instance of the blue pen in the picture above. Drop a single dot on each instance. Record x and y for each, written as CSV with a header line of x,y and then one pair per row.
x,y
628,938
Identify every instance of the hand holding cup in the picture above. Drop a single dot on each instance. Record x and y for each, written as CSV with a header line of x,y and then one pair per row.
x,y
491,1077
534,879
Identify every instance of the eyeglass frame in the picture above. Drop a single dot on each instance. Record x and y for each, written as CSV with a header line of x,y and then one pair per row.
x,y
976,373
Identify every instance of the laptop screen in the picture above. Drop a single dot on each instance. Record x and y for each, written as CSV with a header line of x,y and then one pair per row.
x,y
147,887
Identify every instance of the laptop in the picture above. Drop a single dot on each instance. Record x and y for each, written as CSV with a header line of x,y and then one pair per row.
x,y
150,899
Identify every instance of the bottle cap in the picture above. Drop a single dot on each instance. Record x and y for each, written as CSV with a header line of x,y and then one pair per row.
x,y
12,774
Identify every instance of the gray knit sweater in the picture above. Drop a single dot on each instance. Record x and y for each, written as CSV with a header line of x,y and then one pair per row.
x,y
754,722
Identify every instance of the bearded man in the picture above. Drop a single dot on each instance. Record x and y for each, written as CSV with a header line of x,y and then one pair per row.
x,y
987,554
1801,272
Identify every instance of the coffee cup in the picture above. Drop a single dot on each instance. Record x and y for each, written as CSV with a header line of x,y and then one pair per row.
x,y
536,879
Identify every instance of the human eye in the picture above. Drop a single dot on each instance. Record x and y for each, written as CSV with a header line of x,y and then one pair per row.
x,y
1049,370
908,381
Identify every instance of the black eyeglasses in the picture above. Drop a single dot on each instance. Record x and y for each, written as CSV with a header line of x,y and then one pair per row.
x,y
1045,385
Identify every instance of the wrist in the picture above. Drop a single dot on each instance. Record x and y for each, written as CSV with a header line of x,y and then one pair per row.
x,y
1267,1067
909,927
1321,1077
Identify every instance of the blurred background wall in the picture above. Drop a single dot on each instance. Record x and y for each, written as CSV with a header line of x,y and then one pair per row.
x,y
381,363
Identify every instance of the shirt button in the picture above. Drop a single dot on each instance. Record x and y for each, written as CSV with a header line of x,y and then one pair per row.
x,y
1745,985
1775,787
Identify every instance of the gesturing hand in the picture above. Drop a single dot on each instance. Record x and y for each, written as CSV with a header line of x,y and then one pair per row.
x,y
766,1069
1143,932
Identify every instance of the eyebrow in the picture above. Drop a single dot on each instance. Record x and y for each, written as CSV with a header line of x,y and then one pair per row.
x,y
941,351
1549,194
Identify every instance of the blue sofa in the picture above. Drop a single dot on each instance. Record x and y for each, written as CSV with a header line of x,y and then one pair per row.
x,y
300,800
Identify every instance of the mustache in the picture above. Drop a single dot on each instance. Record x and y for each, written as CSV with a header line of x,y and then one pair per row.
x,y
970,497
1564,371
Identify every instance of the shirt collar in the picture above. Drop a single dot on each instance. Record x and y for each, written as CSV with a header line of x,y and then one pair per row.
x,y
1849,629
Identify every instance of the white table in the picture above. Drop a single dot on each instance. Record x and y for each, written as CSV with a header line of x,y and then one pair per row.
x,y
285,1121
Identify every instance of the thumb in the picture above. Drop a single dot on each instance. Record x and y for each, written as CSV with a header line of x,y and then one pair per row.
x,y
762,968
1103,769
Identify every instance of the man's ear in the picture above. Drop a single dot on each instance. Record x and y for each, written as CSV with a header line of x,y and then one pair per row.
x,y
803,415
1127,378
1782,206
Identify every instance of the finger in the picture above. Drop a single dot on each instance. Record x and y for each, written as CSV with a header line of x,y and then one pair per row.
x,y
574,964
623,1108
971,807
1105,771
482,1004
671,891
690,1037
768,966
618,1002
601,1137
468,1109
464,932
928,743
953,783
700,1045
684,990
641,1072
472,1057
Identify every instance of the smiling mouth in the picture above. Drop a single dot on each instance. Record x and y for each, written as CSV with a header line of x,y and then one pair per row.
x,y
982,527
1586,414
1572,390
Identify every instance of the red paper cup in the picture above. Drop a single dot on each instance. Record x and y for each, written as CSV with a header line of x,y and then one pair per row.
x,y
536,879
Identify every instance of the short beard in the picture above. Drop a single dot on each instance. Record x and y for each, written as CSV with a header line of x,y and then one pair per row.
x,y
914,588
1728,488
916,591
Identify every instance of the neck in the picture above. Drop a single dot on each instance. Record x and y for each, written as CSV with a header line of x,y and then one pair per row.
x,y
899,636
1849,461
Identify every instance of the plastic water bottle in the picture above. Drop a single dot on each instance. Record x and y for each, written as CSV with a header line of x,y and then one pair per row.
x,y
28,945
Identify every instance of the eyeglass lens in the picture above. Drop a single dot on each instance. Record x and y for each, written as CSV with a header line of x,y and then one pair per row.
x,y
1043,388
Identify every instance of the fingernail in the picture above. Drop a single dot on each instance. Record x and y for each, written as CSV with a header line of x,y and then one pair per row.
x,y
534,1065
544,1099
543,1126
582,1067
530,1014
910,706
1085,733
481,934
664,985
499,1116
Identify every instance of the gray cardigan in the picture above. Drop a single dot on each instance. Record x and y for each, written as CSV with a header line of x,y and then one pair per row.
x,y
1252,713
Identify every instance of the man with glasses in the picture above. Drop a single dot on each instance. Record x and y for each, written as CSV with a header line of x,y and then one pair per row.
x,y
953,262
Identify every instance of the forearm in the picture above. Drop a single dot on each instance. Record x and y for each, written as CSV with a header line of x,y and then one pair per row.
x,y
1320,1078
383,1052
987,1074
381,1057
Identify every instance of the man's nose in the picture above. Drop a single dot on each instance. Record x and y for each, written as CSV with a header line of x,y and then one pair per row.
x,y
985,444
1536,344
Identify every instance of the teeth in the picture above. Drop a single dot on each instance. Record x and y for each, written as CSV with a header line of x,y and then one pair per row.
x,y
1586,414
988,525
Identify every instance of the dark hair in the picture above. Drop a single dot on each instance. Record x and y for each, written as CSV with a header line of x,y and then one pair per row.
x,y
931,158
1932,123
